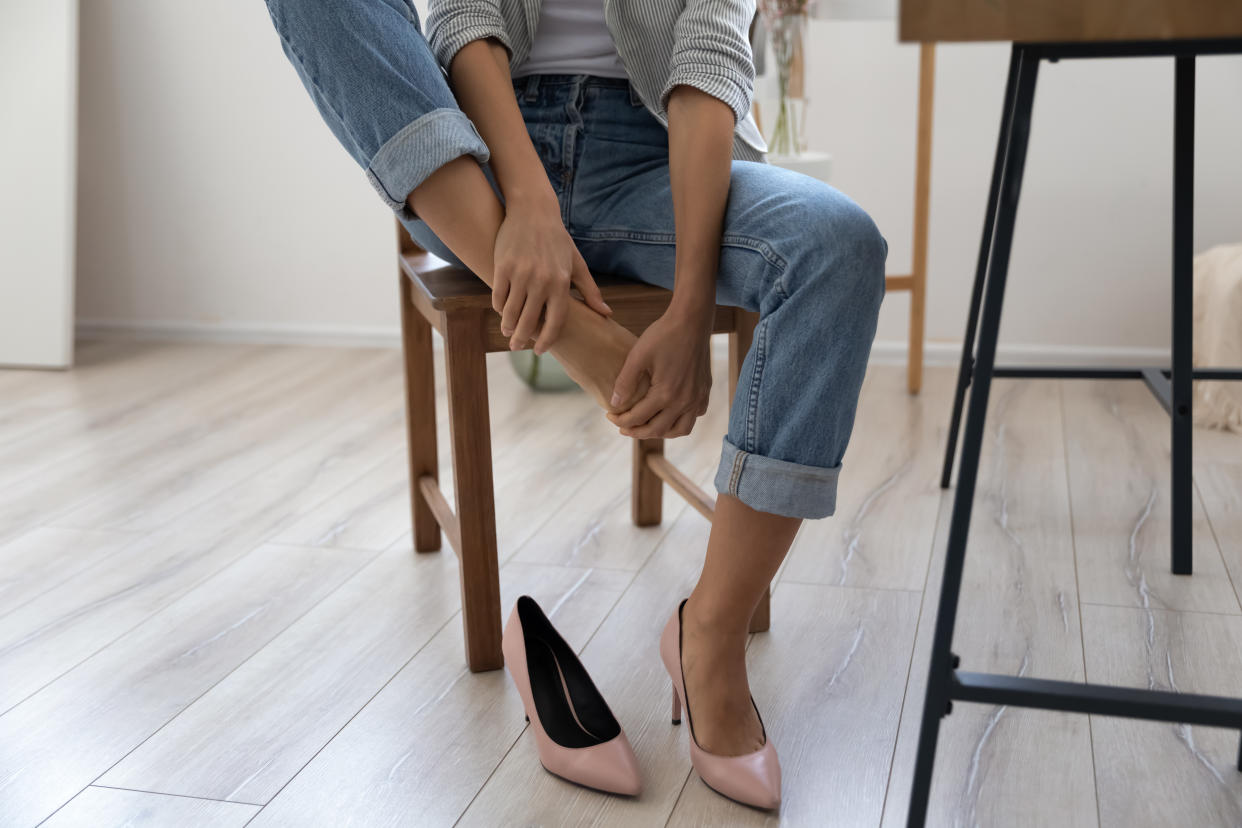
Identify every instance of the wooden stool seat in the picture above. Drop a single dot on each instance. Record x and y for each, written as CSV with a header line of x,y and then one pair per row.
x,y
441,288
435,294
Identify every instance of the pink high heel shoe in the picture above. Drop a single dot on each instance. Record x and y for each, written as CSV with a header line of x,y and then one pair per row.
x,y
576,734
752,778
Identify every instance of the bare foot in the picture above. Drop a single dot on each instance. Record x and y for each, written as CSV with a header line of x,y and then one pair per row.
x,y
592,350
714,665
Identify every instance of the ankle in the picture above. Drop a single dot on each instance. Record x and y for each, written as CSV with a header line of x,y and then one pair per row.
x,y
714,620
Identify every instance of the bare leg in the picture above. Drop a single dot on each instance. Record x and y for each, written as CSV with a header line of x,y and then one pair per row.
x,y
460,207
744,551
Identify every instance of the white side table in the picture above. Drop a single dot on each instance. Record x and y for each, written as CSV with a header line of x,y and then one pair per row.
x,y
815,164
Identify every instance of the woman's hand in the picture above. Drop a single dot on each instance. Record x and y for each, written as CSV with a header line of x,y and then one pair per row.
x,y
535,263
674,353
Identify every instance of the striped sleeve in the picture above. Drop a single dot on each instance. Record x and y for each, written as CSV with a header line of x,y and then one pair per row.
x,y
711,53
451,24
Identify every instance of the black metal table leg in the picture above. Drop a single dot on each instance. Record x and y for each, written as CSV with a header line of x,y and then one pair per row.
x,y
1180,484
940,673
981,269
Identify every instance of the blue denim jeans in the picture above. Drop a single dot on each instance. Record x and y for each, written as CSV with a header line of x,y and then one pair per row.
x,y
799,252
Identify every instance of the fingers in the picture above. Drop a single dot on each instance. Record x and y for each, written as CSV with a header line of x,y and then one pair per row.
x,y
642,412
554,320
624,389
512,310
581,279
527,322
666,424
683,426
660,426
500,291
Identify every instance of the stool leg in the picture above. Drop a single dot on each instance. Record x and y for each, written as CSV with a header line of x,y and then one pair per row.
x,y
922,199
981,269
472,475
739,345
647,490
940,675
420,417
1181,485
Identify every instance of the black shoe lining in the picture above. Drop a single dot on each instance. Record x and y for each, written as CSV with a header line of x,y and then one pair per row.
x,y
572,711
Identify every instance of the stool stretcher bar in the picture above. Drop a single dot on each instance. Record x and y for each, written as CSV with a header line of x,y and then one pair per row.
x,y
1097,699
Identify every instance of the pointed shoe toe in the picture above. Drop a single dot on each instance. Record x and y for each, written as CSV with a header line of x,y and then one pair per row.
x,y
753,779
611,767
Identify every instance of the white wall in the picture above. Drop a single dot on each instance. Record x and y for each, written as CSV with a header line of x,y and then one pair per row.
x,y
38,99
1092,249
213,197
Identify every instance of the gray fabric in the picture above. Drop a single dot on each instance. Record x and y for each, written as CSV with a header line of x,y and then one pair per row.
x,y
699,43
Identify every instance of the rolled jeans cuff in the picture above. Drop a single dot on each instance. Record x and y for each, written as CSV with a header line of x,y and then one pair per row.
x,y
779,487
421,147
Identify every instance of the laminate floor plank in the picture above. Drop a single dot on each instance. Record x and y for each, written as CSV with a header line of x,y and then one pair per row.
x,y
62,626
118,377
99,807
1219,486
422,748
1153,774
1018,616
112,461
61,739
373,512
291,416
889,493
1118,440
94,420
45,557
24,381
250,734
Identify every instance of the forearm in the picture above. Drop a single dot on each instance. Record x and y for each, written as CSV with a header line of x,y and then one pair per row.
x,y
700,140
484,90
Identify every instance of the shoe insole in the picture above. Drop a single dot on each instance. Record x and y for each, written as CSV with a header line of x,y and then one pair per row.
x,y
570,708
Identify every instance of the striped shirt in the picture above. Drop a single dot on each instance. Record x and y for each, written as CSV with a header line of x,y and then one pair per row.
x,y
662,43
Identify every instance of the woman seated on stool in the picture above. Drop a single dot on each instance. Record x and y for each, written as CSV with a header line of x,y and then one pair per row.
x,y
616,137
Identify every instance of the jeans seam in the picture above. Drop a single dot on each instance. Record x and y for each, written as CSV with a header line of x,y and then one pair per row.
x,y
752,402
569,148
739,460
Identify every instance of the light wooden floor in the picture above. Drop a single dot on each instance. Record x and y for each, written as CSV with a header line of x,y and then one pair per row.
x,y
210,613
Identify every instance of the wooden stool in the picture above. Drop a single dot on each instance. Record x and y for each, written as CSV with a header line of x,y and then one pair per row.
x,y
459,305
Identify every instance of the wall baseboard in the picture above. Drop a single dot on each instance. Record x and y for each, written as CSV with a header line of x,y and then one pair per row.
x,y
883,352
339,336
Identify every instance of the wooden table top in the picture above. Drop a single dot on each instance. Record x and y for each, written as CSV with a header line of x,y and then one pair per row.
x,y
1057,21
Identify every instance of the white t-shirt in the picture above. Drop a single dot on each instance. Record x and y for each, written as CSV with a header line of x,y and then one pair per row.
x,y
572,38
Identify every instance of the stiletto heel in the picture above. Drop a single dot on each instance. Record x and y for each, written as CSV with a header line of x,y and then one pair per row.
x,y
576,734
752,778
